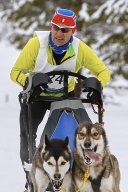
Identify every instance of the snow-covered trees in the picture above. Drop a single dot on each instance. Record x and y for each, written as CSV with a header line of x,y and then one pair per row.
x,y
102,24
111,34
27,16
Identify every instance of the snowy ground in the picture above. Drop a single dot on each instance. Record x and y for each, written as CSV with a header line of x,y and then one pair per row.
x,y
11,173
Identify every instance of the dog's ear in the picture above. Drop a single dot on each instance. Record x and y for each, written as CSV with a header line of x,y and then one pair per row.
x,y
99,125
66,141
66,145
47,142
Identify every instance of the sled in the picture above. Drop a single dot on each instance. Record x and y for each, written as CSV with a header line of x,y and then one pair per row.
x,y
66,112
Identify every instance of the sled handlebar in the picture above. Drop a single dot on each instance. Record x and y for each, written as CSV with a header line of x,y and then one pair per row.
x,y
39,83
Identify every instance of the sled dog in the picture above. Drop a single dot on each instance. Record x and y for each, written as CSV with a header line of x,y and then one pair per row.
x,y
95,169
51,163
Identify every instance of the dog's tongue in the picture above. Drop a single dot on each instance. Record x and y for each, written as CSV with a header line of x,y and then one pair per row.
x,y
92,155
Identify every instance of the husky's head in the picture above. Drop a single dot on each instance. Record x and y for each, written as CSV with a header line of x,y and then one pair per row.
x,y
91,142
56,158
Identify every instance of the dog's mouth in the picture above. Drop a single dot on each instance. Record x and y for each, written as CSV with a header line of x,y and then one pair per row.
x,y
57,184
91,156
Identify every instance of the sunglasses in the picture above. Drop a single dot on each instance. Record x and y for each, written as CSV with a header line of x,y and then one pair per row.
x,y
63,29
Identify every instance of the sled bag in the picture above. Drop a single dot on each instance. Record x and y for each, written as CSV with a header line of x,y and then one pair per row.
x,y
63,120
66,126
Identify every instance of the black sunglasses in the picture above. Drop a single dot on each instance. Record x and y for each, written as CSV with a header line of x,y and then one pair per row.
x,y
63,29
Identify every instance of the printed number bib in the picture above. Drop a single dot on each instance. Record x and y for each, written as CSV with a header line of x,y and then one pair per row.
x,y
57,84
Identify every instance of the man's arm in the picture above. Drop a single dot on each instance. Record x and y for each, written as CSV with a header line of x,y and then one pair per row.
x,y
88,59
25,62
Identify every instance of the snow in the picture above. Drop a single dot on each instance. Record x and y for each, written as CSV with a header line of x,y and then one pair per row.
x,y
113,8
11,172
83,13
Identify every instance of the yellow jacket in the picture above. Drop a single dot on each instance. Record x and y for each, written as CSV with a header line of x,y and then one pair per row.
x,y
86,58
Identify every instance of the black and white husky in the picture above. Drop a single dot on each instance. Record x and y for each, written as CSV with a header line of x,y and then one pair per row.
x,y
51,163
95,169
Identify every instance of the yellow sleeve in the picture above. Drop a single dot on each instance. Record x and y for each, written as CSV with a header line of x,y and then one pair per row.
x,y
87,58
25,62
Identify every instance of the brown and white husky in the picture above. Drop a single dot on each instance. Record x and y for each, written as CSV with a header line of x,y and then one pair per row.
x,y
92,157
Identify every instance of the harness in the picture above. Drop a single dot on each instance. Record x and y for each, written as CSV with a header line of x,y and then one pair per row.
x,y
85,179
63,190
95,183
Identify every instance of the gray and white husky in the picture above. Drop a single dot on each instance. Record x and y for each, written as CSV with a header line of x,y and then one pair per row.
x,y
93,158
51,163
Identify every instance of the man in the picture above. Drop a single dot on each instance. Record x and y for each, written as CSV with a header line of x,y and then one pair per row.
x,y
57,49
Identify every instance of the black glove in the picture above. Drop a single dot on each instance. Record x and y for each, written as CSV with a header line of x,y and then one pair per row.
x,y
94,96
40,79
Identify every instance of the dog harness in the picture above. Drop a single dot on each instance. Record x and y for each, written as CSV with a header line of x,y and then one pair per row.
x,y
63,190
86,177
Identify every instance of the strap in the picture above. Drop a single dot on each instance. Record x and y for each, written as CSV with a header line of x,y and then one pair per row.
x,y
85,179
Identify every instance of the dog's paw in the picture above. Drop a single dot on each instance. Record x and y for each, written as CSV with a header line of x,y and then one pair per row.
x,y
27,166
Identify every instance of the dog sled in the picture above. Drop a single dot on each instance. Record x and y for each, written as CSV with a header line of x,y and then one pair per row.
x,y
67,111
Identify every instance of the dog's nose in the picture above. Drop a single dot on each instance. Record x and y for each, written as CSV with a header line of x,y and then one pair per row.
x,y
57,176
87,144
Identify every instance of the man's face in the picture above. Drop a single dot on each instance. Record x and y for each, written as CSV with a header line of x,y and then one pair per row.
x,y
62,35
